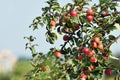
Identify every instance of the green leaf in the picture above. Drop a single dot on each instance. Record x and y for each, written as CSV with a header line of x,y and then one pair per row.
x,y
67,77
41,24
46,20
79,42
112,37
74,19
113,60
59,30
111,28
56,7
31,38
45,9
117,25
96,29
54,35
69,6
69,24
34,26
118,19
33,50
113,6
105,20
83,18
49,37
79,34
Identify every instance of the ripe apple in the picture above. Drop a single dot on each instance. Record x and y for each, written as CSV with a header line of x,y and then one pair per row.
x,y
86,50
90,53
43,67
66,18
89,11
108,71
60,20
80,48
93,44
83,76
93,59
73,13
65,37
104,13
92,66
101,21
79,57
65,29
89,18
75,26
52,22
105,56
100,46
57,53
96,39
85,70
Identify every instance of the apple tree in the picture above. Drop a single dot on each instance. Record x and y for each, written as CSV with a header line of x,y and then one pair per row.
x,y
86,31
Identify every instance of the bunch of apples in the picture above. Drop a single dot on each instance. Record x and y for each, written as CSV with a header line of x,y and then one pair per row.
x,y
95,43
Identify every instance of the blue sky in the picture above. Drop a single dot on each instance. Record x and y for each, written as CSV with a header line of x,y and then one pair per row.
x,y
15,17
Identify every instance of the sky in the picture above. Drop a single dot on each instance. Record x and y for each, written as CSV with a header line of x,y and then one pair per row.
x,y
15,18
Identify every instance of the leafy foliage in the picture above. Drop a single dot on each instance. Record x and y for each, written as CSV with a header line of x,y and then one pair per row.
x,y
88,35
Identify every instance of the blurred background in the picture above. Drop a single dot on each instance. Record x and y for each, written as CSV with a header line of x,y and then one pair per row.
x,y
15,18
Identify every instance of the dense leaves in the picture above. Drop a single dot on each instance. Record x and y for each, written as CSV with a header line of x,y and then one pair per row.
x,y
87,32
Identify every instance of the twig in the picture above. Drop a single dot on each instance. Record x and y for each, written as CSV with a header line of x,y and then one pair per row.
x,y
115,40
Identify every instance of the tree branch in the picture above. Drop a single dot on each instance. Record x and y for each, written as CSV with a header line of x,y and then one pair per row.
x,y
113,41
66,42
115,0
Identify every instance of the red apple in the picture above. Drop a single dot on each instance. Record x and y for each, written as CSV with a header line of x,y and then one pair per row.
x,y
86,50
105,56
90,53
100,46
79,57
65,37
104,13
73,13
100,20
60,20
57,53
93,44
76,27
85,70
83,76
65,29
52,22
108,71
89,11
80,48
93,59
96,39
89,18
92,66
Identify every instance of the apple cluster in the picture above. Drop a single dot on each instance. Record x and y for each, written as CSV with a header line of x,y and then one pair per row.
x,y
89,14
90,52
